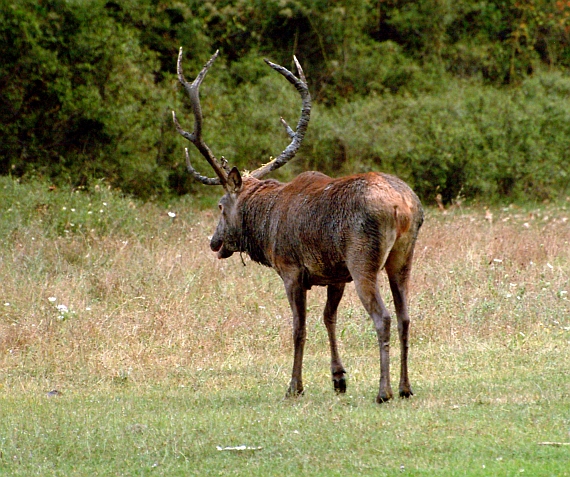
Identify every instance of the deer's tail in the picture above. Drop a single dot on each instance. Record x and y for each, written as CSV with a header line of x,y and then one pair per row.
x,y
403,220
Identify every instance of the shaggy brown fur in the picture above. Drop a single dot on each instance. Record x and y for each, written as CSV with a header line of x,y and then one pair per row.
x,y
321,231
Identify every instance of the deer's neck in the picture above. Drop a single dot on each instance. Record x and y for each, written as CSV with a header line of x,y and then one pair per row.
x,y
257,214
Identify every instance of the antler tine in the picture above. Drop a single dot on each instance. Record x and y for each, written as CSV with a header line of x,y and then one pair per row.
x,y
195,137
299,69
203,179
225,165
199,177
288,129
298,135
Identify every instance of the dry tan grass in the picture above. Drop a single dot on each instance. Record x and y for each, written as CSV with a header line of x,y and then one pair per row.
x,y
160,307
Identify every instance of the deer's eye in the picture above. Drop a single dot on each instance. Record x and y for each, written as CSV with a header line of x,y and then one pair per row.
x,y
220,207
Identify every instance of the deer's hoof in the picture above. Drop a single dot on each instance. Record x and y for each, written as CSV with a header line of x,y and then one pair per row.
x,y
339,384
294,390
406,393
384,396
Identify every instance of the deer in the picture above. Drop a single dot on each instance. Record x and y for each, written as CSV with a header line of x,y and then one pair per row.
x,y
317,231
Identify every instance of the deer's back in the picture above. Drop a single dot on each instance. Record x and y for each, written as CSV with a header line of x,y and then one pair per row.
x,y
315,223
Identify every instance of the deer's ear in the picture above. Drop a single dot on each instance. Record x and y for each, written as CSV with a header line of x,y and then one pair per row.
x,y
234,181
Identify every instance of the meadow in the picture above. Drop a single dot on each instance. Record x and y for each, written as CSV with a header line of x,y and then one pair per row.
x,y
127,348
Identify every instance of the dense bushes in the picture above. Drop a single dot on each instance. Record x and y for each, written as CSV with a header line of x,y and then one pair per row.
x,y
464,96
464,140
79,97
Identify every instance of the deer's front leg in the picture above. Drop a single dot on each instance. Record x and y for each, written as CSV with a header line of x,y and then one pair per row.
x,y
297,296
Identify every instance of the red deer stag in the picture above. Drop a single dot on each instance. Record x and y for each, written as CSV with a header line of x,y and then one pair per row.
x,y
316,230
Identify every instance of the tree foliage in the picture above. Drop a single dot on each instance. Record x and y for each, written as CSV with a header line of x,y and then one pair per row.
x,y
454,95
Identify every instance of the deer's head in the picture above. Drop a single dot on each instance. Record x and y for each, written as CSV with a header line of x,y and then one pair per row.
x,y
227,237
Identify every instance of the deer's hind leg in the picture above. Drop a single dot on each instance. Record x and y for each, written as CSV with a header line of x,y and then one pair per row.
x,y
334,295
367,289
364,265
398,266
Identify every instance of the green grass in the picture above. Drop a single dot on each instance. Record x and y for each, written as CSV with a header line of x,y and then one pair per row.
x,y
165,353
479,421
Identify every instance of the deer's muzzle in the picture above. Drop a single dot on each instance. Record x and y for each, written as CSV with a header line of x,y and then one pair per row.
x,y
217,245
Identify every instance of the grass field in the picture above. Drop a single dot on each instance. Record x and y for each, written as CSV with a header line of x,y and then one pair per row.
x,y
161,355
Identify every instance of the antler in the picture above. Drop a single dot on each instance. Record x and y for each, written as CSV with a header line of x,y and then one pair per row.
x,y
297,135
196,136
221,169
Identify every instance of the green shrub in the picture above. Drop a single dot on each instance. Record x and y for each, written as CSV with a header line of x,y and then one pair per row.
x,y
87,89
468,139
81,102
